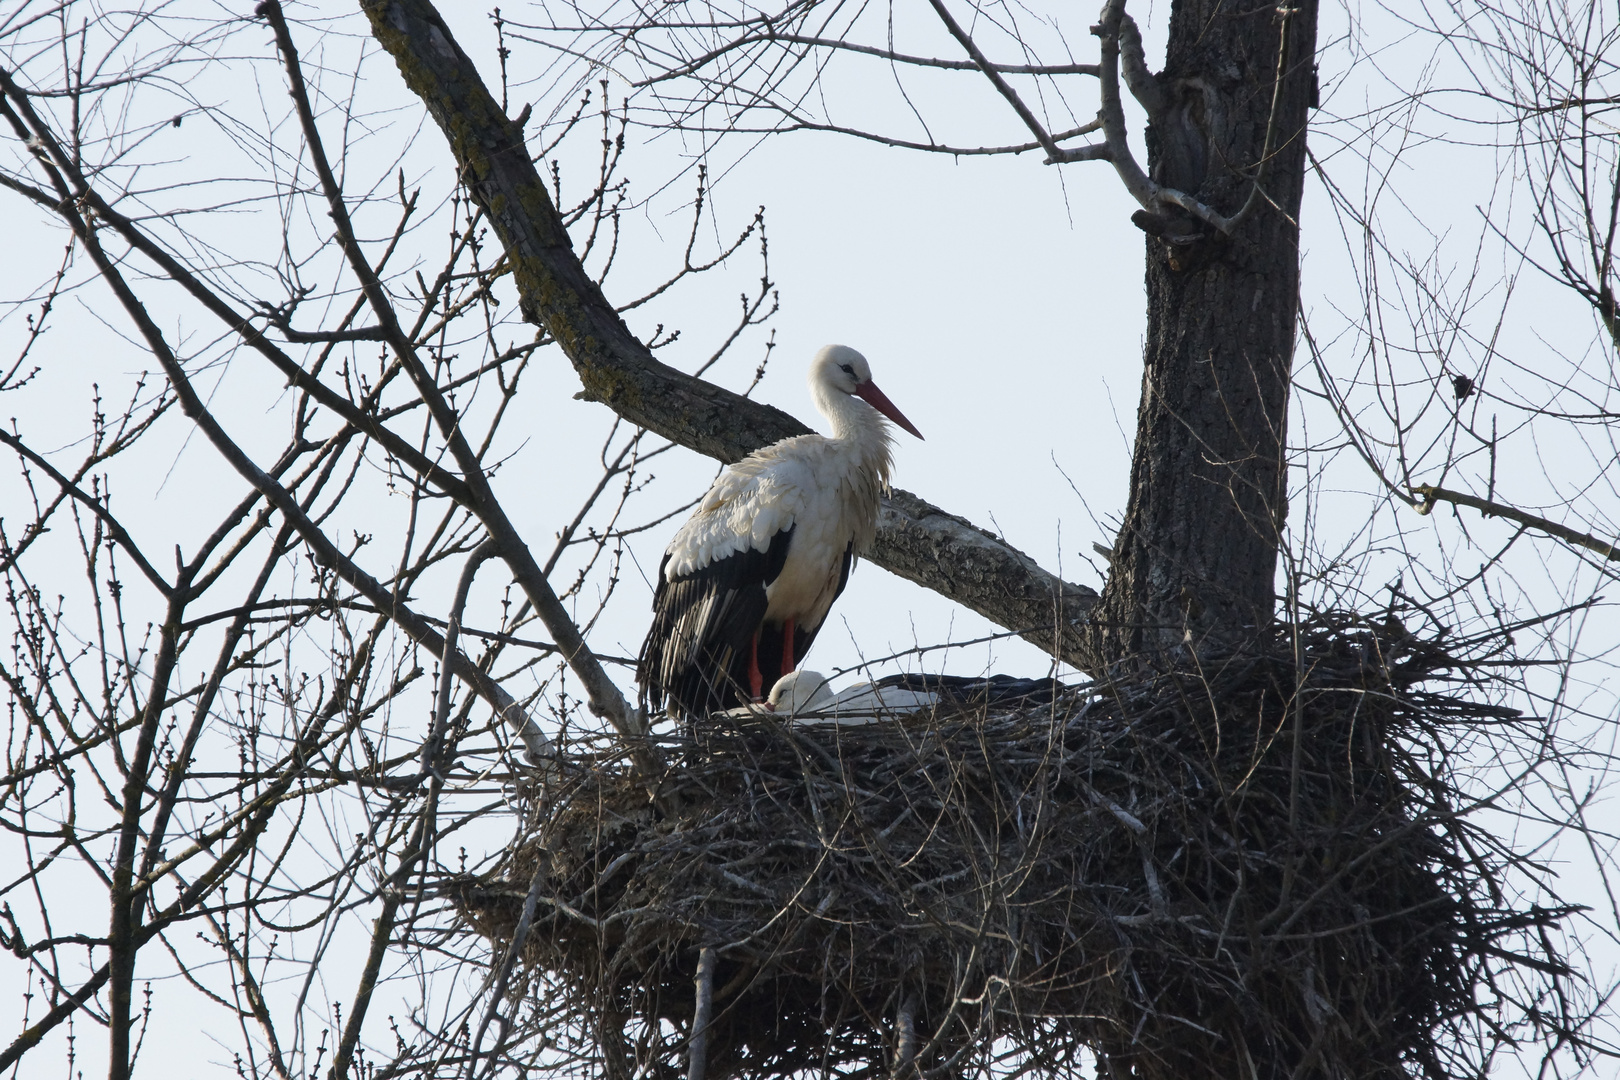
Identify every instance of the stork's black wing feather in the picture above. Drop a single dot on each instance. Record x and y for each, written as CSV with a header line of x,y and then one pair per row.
x,y
770,645
695,657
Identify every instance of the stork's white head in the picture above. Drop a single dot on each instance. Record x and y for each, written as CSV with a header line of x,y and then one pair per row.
x,y
840,369
800,691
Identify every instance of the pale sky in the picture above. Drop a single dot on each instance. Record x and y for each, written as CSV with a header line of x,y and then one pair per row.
x,y
999,301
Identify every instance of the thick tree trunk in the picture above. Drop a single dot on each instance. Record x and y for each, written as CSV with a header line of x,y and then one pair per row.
x,y
1195,561
1194,567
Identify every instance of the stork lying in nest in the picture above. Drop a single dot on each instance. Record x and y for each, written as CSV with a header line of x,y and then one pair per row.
x,y
808,696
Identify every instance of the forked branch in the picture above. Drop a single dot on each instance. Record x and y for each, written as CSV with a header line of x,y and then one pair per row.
x,y
1122,59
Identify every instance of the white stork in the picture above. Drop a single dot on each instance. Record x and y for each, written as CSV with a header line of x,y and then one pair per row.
x,y
750,576
808,694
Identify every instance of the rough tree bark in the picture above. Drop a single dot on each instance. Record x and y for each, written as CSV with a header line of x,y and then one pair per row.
x,y
1194,567
916,540
1195,561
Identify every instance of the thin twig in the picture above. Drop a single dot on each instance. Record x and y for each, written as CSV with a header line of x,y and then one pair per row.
x,y
698,1048
992,73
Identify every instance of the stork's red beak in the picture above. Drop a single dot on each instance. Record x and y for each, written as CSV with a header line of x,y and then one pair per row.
x,y
876,398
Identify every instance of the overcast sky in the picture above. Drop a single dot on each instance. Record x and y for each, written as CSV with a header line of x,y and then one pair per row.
x,y
999,300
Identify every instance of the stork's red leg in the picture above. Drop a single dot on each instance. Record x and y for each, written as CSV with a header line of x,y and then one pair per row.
x,y
789,661
755,679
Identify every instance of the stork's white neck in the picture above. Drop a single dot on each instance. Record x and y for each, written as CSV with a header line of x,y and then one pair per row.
x,y
858,424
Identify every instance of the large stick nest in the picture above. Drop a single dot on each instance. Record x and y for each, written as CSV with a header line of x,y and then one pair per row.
x,y
1259,870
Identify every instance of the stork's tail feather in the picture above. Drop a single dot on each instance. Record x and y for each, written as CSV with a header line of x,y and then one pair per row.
x,y
695,658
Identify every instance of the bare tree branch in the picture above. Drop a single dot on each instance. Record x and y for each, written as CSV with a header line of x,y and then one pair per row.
x,y
992,73
1430,494
606,699
1150,194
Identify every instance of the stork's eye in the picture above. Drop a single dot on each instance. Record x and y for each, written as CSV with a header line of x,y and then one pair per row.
x,y
847,370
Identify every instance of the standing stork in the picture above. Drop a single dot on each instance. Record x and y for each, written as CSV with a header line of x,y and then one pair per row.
x,y
748,580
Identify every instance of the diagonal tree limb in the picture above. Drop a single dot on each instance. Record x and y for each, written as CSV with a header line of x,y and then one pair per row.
x,y
918,541
992,73
1429,494
70,488
63,1009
